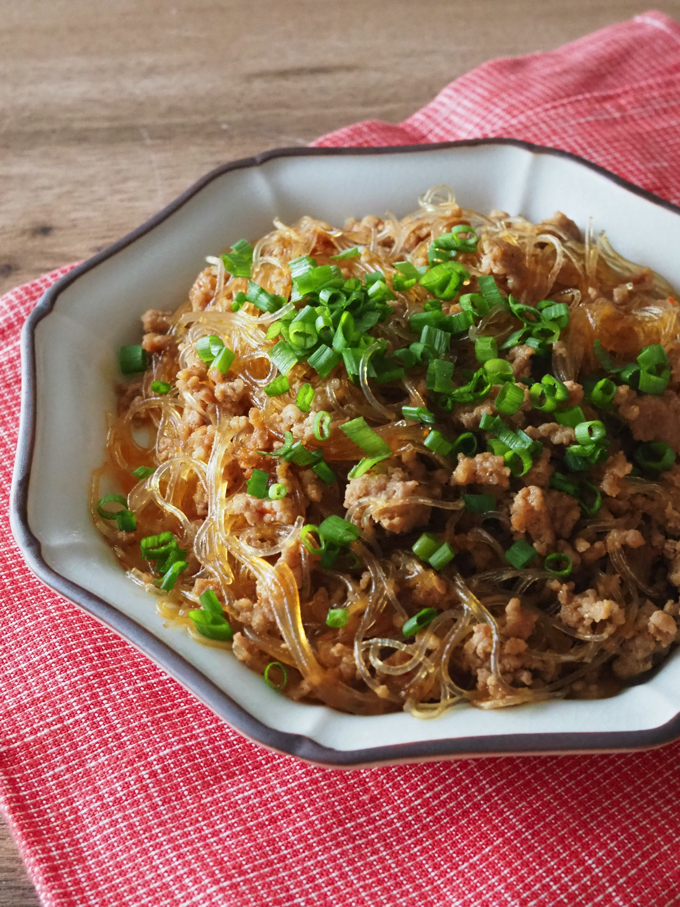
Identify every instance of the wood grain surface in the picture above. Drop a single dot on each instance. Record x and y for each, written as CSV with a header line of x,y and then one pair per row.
x,y
111,108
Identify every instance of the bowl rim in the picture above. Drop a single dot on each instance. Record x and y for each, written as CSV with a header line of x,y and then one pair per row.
x,y
171,661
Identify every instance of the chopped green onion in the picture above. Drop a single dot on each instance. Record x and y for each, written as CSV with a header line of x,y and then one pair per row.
x,y
210,602
111,499
239,261
337,617
655,455
283,356
222,362
553,563
458,323
365,465
422,320
479,503
126,520
364,437
498,370
324,472
477,388
525,313
304,398
590,432
277,491
439,375
489,288
590,509
308,530
520,554
143,472
419,621
426,546
654,384
509,399
207,347
444,280
338,531
132,359
557,312
348,253
302,335
278,386
157,545
300,456
475,304
437,443
603,358
160,387
257,483
652,356
418,414
486,349
435,338
519,462
571,416
603,393
284,680
575,462
465,444
170,578
544,333
211,626
281,451
497,448
324,359
442,556
239,301
273,330
261,299
562,483
322,425
516,338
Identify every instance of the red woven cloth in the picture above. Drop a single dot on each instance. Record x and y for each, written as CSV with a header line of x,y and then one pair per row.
x,y
121,789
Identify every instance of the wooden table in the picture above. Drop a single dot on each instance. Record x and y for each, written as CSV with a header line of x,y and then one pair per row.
x,y
110,109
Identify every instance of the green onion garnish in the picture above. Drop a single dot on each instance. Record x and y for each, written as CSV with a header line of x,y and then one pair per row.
x,y
654,384
364,437
337,617
284,679
210,626
365,465
465,444
520,554
479,503
160,387
558,564
338,531
261,299
283,356
437,443
655,455
324,359
324,472
143,472
441,556
498,370
489,289
420,620
124,517
257,483
571,416
277,491
322,425
239,261
590,432
222,362
133,359
509,399
439,375
304,398
603,393
348,253
426,546
170,578
486,348
418,414
519,462
280,385
205,346
311,529
444,280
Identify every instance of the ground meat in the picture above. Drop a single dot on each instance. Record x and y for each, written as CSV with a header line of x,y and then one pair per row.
x,y
529,513
199,443
156,343
231,394
671,551
551,431
504,259
484,469
617,538
520,356
517,622
575,393
561,225
590,551
156,321
616,469
540,472
651,418
387,493
590,613
564,512
469,417
652,633
202,292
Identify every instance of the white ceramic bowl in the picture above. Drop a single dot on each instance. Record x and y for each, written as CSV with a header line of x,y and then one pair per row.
x,y
97,307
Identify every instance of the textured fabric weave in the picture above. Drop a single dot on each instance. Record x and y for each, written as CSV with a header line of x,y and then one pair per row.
x,y
121,789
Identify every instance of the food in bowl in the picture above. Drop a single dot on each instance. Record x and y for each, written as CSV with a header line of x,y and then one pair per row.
x,y
409,463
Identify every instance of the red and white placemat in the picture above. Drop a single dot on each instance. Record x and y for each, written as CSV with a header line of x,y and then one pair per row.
x,y
121,789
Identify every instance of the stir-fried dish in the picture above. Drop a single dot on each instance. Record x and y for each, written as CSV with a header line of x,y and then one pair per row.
x,y
409,463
